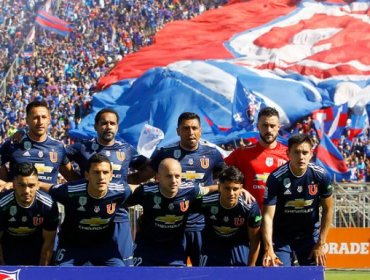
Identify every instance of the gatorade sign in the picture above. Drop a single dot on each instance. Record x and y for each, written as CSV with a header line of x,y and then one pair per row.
x,y
348,248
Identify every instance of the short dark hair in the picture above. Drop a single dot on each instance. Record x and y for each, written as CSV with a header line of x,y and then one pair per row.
x,y
187,116
97,158
231,174
25,169
35,104
268,112
299,139
103,111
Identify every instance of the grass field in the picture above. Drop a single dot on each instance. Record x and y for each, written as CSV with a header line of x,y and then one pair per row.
x,y
347,275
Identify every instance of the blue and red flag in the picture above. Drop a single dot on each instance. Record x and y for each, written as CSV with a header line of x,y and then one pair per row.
x,y
52,23
294,55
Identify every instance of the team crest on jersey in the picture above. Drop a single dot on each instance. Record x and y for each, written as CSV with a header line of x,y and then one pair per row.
x,y
287,183
214,210
82,201
121,155
38,221
24,219
176,154
312,189
239,221
191,161
269,161
27,145
40,154
171,206
95,147
107,153
226,219
184,205
96,209
204,162
299,189
157,200
13,210
53,156
111,208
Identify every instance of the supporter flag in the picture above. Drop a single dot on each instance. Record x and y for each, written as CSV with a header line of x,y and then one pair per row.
x,y
293,54
149,138
359,122
28,52
52,23
332,121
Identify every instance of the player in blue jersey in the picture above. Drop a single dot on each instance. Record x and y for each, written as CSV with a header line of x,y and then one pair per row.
x,y
199,161
122,156
86,234
47,154
28,220
231,236
293,196
159,241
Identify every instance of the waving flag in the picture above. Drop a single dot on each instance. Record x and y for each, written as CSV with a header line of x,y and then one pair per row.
x,y
294,55
52,23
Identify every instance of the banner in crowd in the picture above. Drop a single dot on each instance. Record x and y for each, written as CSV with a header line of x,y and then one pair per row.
x,y
52,23
297,56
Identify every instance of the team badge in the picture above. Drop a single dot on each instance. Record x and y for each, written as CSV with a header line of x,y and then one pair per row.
x,y
204,162
96,209
121,155
9,275
13,210
171,206
95,147
226,219
177,154
82,201
287,183
27,145
184,205
107,153
299,189
191,161
312,189
157,200
111,208
214,210
40,154
269,161
239,221
24,219
38,221
53,156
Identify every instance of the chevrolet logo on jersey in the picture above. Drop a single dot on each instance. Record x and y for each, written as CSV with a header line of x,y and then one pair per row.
x,y
20,230
192,175
225,231
116,167
42,168
169,219
261,177
95,221
299,203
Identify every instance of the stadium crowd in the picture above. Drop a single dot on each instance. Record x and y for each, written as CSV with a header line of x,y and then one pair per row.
x,y
64,70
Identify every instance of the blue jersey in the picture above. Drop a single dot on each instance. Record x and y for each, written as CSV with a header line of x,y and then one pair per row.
x,y
161,230
297,199
196,166
121,154
47,156
225,236
88,220
164,218
228,225
22,227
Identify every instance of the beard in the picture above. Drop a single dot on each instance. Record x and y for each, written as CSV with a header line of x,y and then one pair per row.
x,y
268,141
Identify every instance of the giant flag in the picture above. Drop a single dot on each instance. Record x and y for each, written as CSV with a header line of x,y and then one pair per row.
x,y
294,55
